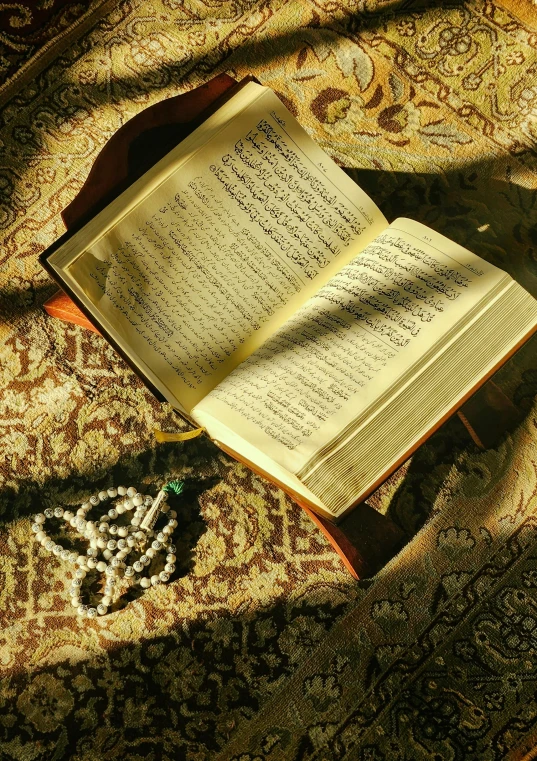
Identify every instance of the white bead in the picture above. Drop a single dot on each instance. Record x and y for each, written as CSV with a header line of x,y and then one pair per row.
x,y
75,602
58,512
81,560
145,582
169,568
101,566
94,499
49,512
112,513
110,570
73,521
136,521
140,535
122,555
44,540
64,554
170,558
145,560
107,554
86,506
92,613
138,566
102,609
164,508
120,509
172,523
94,543
103,528
39,518
131,491
171,548
36,527
101,542
106,600
82,610
148,500
112,492
76,583
112,544
40,535
57,549
121,544
128,504
167,531
67,515
49,545
129,571
121,490
73,557
164,577
138,500
81,512
113,529
155,581
80,573
156,545
122,531
103,496
161,537
150,552
173,514
131,541
91,563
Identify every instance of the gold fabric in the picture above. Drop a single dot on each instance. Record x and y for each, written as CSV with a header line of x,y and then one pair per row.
x,y
262,646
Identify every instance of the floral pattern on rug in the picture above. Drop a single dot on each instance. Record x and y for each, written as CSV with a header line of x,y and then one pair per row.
x,y
262,646
26,26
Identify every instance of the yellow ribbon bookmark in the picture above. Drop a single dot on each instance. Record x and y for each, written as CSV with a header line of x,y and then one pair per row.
x,y
162,437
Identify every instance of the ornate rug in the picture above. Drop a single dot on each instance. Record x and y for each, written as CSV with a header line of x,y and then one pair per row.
x,y
262,647
30,30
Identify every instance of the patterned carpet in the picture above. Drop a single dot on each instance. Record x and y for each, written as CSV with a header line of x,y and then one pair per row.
x,y
29,29
262,647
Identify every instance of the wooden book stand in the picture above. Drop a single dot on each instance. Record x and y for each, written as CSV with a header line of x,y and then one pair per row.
x,y
365,540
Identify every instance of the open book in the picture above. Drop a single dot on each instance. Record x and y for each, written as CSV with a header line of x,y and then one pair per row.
x,y
263,294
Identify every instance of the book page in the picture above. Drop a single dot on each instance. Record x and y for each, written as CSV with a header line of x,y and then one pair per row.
x,y
353,345
202,271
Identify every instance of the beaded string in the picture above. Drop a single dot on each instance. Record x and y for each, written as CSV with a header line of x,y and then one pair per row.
x,y
111,544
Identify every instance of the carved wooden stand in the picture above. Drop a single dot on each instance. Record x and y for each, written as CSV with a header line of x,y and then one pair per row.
x,y
365,540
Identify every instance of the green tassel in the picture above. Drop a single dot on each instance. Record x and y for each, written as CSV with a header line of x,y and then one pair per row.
x,y
174,486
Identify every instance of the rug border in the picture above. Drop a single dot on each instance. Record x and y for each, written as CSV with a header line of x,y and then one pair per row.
x,y
52,49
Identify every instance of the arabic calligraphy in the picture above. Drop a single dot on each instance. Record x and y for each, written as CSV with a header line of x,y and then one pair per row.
x,y
347,342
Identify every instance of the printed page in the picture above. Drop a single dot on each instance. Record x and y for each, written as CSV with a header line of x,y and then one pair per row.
x,y
357,341
201,272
